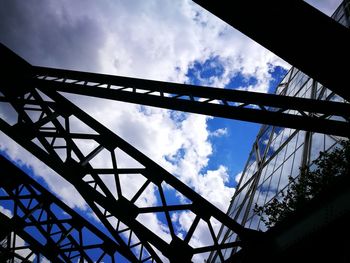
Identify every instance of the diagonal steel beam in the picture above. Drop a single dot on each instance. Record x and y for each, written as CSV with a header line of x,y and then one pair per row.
x,y
113,208
6,254
49,137
66,233
23,91
296,32
9,249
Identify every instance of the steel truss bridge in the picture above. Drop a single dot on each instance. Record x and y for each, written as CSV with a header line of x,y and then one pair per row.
x,y
44,125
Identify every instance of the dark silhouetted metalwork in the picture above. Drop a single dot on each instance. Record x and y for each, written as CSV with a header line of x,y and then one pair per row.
x,y
295,31
44,125
298,113
43,226
117,189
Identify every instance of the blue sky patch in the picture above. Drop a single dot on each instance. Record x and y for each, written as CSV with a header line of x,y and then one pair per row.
x,y
232,149
199,72
277,74
240,80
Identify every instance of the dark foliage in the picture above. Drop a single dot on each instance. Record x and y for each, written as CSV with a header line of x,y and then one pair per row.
x,y
323,171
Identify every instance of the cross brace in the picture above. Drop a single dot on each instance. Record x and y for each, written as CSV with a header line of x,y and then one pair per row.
x,y
49,136
44,125
49,227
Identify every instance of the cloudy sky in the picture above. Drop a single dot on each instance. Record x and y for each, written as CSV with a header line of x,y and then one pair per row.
x,y
165,40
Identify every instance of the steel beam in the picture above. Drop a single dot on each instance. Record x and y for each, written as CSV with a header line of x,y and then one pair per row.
x,y
296,32
49,138
8,255
11,248
48,226
299,113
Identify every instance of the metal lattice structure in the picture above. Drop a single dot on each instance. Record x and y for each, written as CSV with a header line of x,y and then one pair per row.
x,y
45,123
43,226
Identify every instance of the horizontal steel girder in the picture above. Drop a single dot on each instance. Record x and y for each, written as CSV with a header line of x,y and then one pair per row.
x,y
65,236
298,113
277,110
295,31
43,126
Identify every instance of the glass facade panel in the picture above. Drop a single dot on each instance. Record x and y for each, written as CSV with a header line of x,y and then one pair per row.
x,y
280,151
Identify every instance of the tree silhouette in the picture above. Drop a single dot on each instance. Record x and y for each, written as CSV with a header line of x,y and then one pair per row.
x,y
313,180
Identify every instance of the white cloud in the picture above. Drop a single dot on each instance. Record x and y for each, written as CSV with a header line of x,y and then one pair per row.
x,y
238,177
6,212
219,132
186,144
146,39
24,252
168,138
212,186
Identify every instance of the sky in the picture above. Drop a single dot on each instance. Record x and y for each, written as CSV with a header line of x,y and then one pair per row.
x,y
167,40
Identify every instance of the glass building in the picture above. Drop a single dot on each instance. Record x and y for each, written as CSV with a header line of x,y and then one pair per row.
x,y
278,153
